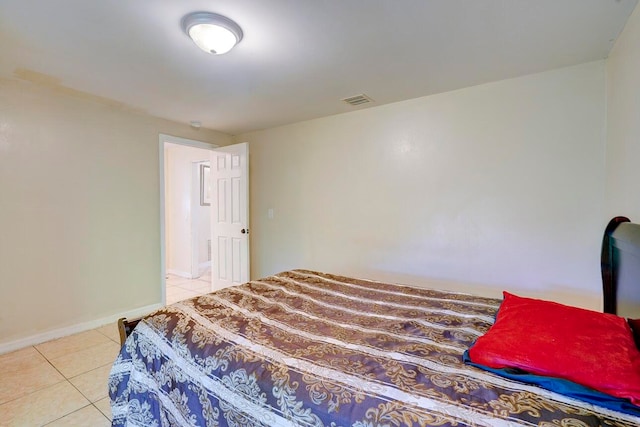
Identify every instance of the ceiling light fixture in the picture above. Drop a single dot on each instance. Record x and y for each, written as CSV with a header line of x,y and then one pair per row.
x,y
212,33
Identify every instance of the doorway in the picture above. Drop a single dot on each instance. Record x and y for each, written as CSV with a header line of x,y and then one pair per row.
x,y
185,218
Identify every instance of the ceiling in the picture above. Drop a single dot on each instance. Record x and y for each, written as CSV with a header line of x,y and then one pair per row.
x,y
298,58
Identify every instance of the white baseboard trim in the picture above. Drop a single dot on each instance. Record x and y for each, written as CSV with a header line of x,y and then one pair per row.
x,y
179,273
74,329
204,266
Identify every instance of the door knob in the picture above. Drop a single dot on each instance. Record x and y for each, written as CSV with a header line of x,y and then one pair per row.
x,y
244,231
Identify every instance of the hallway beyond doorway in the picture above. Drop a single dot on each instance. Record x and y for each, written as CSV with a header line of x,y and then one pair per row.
x,y
180,288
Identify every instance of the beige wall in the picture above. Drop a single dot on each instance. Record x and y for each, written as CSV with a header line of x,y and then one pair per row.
x,y
623,123
499,186
79,210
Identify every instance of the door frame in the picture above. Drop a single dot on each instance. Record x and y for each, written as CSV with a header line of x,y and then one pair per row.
x,y
162,139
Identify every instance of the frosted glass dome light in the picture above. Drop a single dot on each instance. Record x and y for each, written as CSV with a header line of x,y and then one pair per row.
x,y
211,32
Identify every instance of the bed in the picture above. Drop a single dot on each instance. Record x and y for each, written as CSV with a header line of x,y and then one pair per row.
x,y
305,348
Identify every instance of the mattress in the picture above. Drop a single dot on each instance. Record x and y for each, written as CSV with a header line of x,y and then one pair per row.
x,y
304,348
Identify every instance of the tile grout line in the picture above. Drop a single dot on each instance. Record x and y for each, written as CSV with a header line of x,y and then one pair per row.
x,y
102,413
73,385
72,412
107,385
43,388
64,379
97,330
70,383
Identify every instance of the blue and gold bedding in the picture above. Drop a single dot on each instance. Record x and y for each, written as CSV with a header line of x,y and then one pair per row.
x,y
303,348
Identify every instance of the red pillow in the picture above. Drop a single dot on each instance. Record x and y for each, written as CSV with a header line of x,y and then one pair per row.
x,y
590,348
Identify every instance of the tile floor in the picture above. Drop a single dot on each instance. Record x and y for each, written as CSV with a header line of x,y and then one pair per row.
x,y
179,288
59,383
63,383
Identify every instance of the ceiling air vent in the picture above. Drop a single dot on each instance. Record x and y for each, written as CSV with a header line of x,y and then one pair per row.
x,y
358,100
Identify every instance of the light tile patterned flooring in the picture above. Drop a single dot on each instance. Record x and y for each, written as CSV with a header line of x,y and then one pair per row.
x,y
179,288
63,383
59,383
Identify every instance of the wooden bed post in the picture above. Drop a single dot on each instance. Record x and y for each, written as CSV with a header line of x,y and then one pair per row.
x,y
125,327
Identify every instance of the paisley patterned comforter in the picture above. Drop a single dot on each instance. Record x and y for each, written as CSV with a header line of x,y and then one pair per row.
x,y
310,349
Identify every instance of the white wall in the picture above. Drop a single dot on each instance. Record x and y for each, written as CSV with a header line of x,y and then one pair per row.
x,y
79,210
623,123
201,223
184,217
498,186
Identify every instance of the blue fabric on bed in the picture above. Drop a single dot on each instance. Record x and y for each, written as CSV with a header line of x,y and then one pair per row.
x,y
562,386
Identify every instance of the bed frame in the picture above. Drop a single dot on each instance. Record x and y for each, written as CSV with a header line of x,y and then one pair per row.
x,y
620,266
125,327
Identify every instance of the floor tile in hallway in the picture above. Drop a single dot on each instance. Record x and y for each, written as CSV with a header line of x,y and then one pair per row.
x,y
179,288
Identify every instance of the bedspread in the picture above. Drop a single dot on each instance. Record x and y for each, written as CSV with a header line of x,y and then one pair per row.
x,y
303,348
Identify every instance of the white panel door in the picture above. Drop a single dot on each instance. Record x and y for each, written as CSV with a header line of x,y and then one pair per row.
x,y
230,215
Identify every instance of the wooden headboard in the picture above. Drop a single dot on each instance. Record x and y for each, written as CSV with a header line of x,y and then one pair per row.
x,y
620,263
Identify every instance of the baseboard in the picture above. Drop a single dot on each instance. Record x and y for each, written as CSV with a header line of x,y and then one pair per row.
x,y
179,273
204,266
74,329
